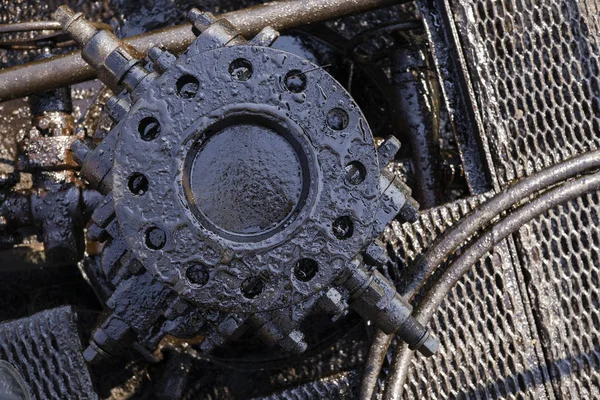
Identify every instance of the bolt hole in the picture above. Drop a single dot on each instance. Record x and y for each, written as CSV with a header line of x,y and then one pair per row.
x,y
252,287
305,269
149,128
355,173
295,81
156,238
337,119
343,228
138,184
197,274
187,86
240,69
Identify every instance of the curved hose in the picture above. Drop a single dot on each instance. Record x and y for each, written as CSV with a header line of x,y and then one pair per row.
x,y
445,245
498,232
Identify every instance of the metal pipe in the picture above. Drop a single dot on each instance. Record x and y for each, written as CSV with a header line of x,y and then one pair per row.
x,y
425,311
30,26
416,114
69,69
421,269
41,26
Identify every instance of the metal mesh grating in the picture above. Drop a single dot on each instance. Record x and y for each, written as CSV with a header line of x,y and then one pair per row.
x,y
487,346
337,387
563,252
535,65
46,350
331,373
536,70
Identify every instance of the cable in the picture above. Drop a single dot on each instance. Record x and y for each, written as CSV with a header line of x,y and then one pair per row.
x,y
458,234
484,244
420,270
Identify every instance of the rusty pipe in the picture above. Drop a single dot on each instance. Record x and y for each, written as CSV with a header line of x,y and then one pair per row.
x,y
69,69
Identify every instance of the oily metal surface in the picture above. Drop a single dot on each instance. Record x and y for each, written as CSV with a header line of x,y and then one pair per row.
x,y
563,269
535,69
332,372
45,349
336,387
301,124
487,343
71,68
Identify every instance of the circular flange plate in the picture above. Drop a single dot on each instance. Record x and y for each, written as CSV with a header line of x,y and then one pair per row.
x,y
259,176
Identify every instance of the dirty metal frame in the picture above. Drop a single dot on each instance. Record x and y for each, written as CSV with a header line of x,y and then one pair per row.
x,y
458,93
69,69
163,246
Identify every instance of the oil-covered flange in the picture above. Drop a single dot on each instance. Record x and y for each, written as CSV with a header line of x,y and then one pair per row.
x,y
246,182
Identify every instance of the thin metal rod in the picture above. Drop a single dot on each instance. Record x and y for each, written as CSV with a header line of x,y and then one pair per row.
x,y
460,233
68,69
425,311
53,34
30,26
41,26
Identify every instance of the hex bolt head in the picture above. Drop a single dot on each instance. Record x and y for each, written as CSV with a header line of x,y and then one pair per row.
x,y
265,38
162,59
117,108
294,342
229,327
430,346
333,303
97,234
154,53
200,20
92,355
177,308
410,210
80,151
387,151
376,254
75,24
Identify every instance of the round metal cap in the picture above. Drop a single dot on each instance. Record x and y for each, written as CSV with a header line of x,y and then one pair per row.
x,y
245,180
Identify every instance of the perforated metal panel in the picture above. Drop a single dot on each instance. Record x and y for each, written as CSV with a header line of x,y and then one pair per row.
x,y
534,64
535,68
488,346
562,251
46,350
336,387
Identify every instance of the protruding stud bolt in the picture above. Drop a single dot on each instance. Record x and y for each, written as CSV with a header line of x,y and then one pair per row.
x,y
265,38
161,59
200,20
